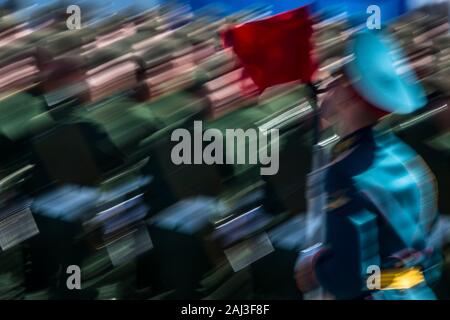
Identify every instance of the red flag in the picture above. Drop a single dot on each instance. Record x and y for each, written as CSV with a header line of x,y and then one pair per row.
x,y
275,50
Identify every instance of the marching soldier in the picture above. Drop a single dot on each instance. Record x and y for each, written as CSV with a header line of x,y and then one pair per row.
x,y
381,198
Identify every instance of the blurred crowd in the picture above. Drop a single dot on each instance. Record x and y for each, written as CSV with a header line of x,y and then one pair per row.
x,y
86,177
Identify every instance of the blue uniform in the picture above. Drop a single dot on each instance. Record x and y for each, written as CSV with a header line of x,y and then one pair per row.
x,y
381,211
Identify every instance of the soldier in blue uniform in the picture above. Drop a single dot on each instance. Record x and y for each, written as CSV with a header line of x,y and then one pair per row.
x,y
381,212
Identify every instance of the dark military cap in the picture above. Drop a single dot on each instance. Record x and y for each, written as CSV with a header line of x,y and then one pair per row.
x,y
65,41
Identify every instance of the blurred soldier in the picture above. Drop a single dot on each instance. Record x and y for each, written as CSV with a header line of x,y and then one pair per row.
x,y
381,197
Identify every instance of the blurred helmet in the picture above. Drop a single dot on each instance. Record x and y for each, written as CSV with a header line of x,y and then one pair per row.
x,y
379,72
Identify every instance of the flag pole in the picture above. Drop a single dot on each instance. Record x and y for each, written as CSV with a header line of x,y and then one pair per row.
x,y
315,216
316,119
315,180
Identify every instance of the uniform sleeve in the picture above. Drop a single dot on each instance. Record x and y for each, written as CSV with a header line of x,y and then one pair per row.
x,y
352,246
